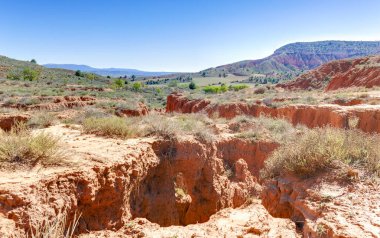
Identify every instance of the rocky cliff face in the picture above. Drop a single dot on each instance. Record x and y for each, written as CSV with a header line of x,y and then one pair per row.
x,y
362,72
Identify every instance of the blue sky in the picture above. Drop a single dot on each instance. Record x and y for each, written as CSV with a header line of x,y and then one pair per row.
x,y
175,35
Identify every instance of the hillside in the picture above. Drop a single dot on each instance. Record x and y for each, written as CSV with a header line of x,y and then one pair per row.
x,y
290,60
13,69
113,72
364,72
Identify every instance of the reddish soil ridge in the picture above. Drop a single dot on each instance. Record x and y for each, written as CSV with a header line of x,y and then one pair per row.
x,y
361,72
52,103
368,117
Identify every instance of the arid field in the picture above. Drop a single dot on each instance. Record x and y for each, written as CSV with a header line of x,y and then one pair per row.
x,y
83,155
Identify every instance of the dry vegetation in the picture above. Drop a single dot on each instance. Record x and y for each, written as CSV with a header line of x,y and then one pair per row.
x,y
324,149
263,128
56,227
21,146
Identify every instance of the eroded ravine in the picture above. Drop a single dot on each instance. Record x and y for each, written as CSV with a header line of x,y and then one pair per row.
x,y
177,182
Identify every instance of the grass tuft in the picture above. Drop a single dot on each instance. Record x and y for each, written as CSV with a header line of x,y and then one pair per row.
x,y
21,146
322,149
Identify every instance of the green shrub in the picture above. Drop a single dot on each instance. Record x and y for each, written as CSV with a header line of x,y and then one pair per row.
x,y
30,74
237,87
137,86
192,86
119,83
90,76
215,89
324,148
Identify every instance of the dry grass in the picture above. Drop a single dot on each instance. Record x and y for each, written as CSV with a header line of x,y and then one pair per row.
x,y
56,227
322,149
23,147
170,127
42,120
261,128
111,127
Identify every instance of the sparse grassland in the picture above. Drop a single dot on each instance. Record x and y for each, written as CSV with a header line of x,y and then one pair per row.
x,y
110,127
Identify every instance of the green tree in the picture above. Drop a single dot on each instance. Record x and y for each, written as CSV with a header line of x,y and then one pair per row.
x,y
133,77
33,61
192,85
79,73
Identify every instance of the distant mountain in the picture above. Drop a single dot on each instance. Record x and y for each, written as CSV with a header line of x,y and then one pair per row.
x,y
114,72
290,60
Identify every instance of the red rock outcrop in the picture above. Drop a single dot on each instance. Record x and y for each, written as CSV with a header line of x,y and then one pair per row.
x,y
7,121
361,72
308,115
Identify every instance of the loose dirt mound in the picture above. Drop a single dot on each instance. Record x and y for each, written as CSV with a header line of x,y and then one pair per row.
x,y
367,116
362,72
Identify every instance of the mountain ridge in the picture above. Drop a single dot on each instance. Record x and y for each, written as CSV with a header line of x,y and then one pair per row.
x,y
114,72
292,59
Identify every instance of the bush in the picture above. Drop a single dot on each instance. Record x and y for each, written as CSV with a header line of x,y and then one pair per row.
x,y
110,127
119,83
90,77
79,73
14,75
238,87
136,86
325,148
30,74
21,146
215,89
192,86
